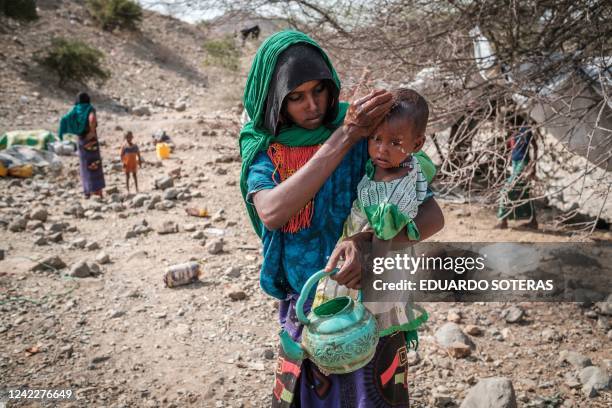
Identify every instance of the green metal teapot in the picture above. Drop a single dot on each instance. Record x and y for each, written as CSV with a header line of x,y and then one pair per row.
x,y
339,336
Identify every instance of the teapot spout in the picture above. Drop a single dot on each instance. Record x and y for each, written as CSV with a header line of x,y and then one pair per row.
x,y
291,348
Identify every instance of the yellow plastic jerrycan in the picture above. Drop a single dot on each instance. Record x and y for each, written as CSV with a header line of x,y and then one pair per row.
x,y
23,171
163,151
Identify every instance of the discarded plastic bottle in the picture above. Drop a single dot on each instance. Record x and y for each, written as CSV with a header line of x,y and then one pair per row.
x,y
182,274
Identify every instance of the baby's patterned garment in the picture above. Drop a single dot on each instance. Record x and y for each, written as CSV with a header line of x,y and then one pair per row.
x,y
388,206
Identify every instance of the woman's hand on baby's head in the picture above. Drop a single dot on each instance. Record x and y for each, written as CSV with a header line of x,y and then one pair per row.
x,y
365,114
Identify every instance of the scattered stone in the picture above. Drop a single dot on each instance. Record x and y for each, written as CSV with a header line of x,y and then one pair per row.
x,y
219,216
51,263
76,210
494,392
603,322
39,214
197,235
451,333
183,196
413,357
473,330
189,227
215,246
139,200
575,359
171,194
58,226
18,225
66,351
40,241
79,243
605,308
34,225
56,237
514,314
114,314
594,379
233,272
94,268
113,189
236,294
141,111
92,246
441,399
164,183
168,227
80,270
551,335
102,258
268,354
571,380
459,350
453,316
99,359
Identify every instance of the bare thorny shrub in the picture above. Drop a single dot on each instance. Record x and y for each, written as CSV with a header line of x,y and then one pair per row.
x,y
429,44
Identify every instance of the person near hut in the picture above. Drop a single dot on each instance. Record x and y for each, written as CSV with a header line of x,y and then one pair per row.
x,y
515,199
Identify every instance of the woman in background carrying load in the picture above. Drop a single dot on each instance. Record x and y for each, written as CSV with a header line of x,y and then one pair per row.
x,y
81,121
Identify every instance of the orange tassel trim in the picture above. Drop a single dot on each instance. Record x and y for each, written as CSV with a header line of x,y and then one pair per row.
x,y
287,160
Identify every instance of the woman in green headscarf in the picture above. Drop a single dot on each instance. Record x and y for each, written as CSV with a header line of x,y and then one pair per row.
x,y
303,156
82,121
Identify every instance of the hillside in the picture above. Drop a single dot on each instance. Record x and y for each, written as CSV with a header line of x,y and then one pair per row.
x,y
158,67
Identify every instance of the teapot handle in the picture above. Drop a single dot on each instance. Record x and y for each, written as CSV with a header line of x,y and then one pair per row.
x,y
299,307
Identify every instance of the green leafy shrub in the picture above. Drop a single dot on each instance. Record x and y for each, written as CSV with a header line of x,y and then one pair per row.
x,y
222,53
75,61
111,14
19,9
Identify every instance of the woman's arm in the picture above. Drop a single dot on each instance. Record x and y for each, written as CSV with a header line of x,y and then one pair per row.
x,y
93,124
277,205
429,221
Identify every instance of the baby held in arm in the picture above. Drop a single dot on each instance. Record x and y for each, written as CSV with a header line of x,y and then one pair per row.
x,y
396,181
388,199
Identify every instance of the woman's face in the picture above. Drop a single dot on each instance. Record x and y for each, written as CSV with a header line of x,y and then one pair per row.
x,y
307,104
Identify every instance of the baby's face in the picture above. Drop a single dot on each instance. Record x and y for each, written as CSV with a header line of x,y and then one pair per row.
x,y
392,142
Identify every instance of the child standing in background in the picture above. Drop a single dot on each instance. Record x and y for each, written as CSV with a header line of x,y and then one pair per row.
x,y
130,156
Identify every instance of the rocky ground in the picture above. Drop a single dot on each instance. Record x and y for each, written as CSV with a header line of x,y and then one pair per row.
x,y
82,301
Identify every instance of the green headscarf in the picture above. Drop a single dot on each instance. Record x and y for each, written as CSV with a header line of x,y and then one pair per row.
x,y
75,122
254,137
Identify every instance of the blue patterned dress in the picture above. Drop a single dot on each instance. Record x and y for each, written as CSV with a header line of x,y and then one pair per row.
x,y
289,260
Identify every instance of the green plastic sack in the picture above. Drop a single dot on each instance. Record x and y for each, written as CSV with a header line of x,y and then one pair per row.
x,y
38,139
